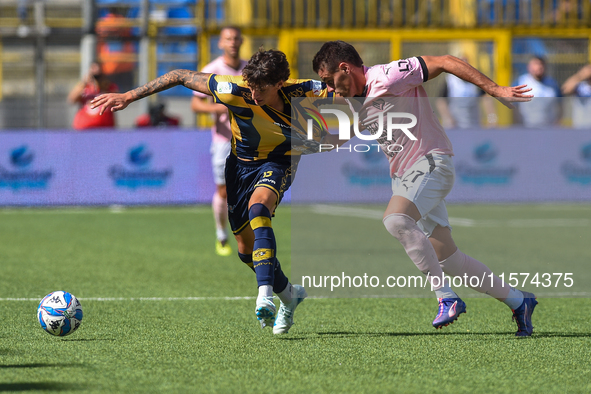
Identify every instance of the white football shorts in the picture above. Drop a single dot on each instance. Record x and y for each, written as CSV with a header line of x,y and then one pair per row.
x,y
426,184
219,152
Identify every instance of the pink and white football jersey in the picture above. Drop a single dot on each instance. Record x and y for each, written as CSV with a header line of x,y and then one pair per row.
x,y
396,87
221,130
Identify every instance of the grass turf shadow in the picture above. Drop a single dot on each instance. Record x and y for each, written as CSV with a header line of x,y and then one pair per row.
x,y
407,334
551,334
40,386
40,365
341,334
88,339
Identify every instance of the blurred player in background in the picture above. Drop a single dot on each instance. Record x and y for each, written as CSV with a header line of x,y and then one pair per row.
x,y
459,104
544,110
262,163
221,133
91,86
422,172
579,85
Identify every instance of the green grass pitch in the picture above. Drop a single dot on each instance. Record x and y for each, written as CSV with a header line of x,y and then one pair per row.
x,y
190,338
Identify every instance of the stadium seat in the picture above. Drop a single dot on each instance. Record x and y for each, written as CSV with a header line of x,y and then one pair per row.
x,y
180,13
185,49
174,2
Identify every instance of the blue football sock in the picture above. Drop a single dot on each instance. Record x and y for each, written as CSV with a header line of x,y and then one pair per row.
x,y
246,259
281,280
265,264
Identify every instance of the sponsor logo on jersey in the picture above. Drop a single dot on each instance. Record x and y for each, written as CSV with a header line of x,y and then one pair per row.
x,y
282,125
299,92
247,96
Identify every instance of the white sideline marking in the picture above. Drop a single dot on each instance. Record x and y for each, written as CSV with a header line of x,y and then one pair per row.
x,y
116,209
114,299
107,299
333,210
454,221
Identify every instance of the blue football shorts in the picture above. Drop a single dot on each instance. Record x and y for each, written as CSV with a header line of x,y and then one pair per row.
x,y
243,177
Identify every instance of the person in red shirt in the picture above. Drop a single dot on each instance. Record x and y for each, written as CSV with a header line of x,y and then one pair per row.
x,y
93,85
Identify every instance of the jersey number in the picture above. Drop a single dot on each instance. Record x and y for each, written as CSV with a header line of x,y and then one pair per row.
x,y
267,174
403,65
406,178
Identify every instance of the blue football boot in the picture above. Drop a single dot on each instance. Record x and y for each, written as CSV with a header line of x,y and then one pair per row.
x,y
522,315
449,311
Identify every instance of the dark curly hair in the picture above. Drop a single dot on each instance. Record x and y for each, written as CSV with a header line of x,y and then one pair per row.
x,y
266,68
333,53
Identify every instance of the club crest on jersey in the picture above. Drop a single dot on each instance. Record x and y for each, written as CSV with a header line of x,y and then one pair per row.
x,y
224,87
316,87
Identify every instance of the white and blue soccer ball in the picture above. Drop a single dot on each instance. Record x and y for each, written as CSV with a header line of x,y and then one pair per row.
x,y
59,313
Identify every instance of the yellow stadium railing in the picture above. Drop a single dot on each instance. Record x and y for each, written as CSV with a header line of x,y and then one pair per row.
x,y
393,21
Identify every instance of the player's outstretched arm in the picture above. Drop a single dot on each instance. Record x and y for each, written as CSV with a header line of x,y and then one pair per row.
x,y
191,79
453,65
570,85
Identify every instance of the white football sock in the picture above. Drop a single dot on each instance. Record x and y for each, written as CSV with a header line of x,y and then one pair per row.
x,y
445,292
514,299
220,215
460,264
266,291
285,296
221,234
418,248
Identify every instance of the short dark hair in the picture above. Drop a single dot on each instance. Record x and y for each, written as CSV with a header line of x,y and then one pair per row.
x,y
231,27
266,68
541,59
333,53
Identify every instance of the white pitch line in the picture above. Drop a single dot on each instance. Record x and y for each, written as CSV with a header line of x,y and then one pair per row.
x,y
107,299
95,211
116,299
366,213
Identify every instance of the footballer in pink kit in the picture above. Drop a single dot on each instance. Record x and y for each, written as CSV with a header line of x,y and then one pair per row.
x,y
221,134
421,166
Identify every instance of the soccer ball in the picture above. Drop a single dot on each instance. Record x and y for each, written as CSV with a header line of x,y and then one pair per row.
x,y
59,313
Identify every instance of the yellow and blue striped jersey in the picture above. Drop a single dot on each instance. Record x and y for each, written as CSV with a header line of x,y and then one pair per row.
x,y
262,132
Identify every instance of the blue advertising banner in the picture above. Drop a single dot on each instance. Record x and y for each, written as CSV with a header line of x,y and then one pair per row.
x,y
174,167
493,165
100,168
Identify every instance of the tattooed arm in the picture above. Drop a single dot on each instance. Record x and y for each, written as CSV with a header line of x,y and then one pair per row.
x,y
115,102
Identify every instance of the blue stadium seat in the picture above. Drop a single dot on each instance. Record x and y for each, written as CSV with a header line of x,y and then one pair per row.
x,y
180,13
174,2
138,2
188,48
117,2
219,11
